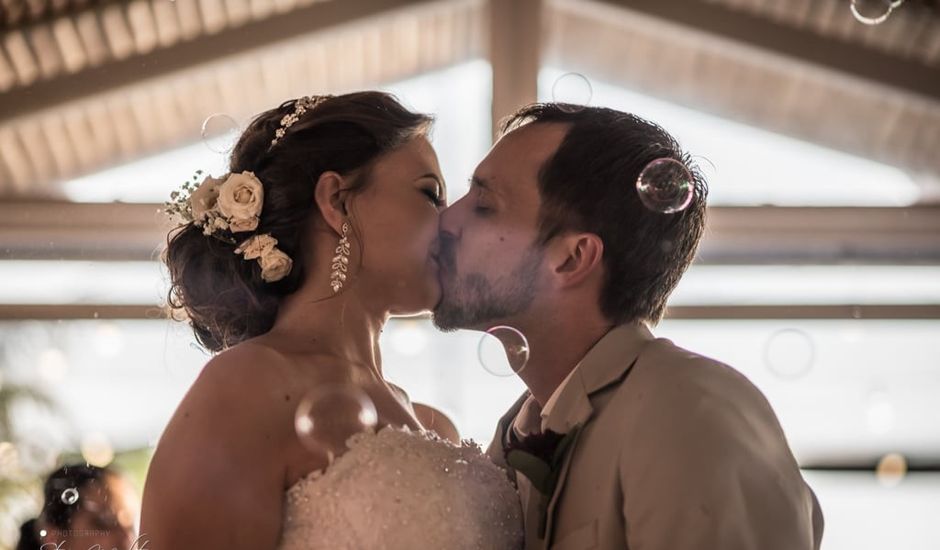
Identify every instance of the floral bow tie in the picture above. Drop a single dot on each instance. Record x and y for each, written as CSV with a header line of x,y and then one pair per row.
x,y
540,457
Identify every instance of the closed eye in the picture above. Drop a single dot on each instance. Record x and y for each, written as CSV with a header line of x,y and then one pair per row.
x,y
434,196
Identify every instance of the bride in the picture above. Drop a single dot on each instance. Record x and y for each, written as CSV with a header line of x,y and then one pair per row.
x,y
289,268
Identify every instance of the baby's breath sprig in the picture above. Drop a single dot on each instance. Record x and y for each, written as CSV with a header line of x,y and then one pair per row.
x,y
180,204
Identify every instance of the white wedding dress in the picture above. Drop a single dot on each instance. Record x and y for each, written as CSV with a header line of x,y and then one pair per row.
x,y
397,489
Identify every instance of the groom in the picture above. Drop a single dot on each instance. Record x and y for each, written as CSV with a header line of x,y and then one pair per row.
x,y
656,448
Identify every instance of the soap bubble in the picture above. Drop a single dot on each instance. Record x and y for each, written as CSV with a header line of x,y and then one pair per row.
x,y
503,351
666,186
220,133
70,496
789,353
572,91
327,416
873,12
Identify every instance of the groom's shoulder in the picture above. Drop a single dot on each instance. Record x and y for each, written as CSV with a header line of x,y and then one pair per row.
x,y
679,409
680,379
666,360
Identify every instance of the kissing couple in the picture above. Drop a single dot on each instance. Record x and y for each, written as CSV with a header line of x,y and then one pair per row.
x,y
578,225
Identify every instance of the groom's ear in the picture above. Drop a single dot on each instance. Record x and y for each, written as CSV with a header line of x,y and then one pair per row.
x,y
330,195
575,258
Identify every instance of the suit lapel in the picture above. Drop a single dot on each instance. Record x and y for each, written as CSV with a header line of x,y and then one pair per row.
x,y
573,408
604,364
607,362
563,476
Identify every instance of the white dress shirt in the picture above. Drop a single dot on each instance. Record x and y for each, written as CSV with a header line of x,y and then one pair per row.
x,y
531,418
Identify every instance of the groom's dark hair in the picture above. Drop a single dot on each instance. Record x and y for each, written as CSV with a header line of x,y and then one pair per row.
x,y
589,184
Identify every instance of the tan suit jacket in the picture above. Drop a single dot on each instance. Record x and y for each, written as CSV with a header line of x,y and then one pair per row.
x,y
677,452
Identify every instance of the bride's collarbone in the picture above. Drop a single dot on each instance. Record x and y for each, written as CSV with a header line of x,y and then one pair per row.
x,y
292,379
389,408
332,376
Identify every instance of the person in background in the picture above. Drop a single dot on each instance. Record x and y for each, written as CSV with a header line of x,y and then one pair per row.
x,y
83,506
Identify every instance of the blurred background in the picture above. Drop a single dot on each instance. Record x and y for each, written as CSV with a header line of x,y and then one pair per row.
x,y
816,122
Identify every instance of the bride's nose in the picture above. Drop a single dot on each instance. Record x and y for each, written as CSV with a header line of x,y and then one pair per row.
x,y
435,250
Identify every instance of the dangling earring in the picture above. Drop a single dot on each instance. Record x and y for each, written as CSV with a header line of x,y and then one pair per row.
x,y
340,262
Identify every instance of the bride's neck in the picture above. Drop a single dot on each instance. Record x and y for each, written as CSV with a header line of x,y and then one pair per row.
x,y
341,326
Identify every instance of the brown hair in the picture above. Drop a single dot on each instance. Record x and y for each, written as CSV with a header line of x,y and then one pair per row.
x,y
221,294
589,184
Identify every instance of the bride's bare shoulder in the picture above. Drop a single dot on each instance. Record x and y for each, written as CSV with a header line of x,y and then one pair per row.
x,y
231,425
247,367
253,356
237,389
245,396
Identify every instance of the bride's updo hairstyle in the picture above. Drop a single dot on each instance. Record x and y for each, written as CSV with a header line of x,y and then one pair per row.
x,y
221,293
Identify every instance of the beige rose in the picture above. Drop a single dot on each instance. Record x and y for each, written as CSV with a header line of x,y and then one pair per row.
x,y
238,226
275,265
257,246
204,198
240,200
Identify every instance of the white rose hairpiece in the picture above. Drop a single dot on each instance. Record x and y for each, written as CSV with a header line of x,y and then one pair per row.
x,y
234,205
275,265
231,205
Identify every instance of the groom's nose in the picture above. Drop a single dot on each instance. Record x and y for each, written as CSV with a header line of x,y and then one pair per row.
x,y
449,220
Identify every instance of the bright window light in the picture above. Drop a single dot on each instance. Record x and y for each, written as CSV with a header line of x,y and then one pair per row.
x,y
865,388
78,282
753,166
81,282
458,97
808,285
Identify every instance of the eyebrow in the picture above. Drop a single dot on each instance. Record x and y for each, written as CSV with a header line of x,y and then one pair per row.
x,y
476,180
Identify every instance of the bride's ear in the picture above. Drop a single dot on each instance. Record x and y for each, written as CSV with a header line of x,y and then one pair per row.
x,y
330,195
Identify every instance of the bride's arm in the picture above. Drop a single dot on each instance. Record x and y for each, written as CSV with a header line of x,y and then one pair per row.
x,y
434,420
215,480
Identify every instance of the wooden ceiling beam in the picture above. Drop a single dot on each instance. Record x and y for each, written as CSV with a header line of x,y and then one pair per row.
x,y
813,48
515,40
42,230
184,55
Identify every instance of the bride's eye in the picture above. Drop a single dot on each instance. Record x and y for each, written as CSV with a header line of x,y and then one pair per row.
x,y
434,196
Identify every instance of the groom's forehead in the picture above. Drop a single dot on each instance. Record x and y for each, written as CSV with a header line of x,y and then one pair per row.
x,y
513,163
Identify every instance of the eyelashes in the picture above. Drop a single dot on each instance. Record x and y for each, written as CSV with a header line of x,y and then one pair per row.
x,y
434,196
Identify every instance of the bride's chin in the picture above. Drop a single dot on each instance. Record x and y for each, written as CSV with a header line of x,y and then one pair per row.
x,y
434,294
423,304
